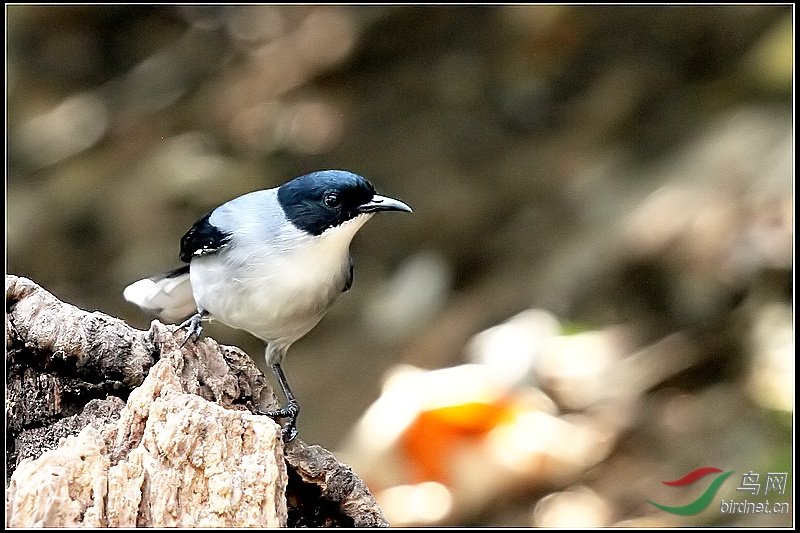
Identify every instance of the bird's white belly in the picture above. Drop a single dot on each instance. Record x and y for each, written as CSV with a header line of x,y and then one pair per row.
x,y
277,302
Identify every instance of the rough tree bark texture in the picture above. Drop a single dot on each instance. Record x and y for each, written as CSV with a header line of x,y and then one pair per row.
x,y
107,425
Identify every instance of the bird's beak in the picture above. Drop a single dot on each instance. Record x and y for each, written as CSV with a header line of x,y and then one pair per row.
x,y
383,203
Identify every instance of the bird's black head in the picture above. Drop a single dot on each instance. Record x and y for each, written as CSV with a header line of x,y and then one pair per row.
x,y
327,198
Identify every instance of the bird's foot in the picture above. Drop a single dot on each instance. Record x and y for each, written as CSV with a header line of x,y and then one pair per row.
x,y
289,429
193,328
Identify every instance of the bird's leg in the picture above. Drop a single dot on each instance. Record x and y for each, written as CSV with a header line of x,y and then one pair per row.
x,y
289,431
193,327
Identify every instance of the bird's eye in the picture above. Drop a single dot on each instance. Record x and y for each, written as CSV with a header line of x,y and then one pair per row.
x,y
331,199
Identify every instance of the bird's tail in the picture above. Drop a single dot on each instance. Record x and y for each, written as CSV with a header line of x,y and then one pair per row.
x,y
169,296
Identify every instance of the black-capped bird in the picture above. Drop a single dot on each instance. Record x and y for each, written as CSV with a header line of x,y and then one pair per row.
x,y
270,262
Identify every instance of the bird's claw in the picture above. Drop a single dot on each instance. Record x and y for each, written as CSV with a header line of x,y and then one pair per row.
x,y
289,429
193,328
288,433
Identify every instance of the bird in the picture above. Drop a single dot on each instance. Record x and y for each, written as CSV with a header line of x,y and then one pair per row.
x,y
270,262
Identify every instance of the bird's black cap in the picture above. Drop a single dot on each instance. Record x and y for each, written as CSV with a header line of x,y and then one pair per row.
x,y
327,198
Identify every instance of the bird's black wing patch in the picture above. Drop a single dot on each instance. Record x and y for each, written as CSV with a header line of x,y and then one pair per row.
x,y
203,238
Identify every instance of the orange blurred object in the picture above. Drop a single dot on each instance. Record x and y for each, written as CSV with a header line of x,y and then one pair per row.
x,y
430,439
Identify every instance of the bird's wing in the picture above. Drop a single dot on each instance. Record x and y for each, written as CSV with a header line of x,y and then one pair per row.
x,y
203,238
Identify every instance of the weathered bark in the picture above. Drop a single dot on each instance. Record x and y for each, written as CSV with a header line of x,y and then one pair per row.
x,y
111,426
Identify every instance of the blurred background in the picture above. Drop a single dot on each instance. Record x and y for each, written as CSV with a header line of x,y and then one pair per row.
x,y
593,295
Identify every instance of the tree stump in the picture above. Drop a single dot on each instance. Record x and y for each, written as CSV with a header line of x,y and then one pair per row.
x,y
110,426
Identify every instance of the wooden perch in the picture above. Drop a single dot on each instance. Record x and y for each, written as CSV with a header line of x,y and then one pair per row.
x,y
110,426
